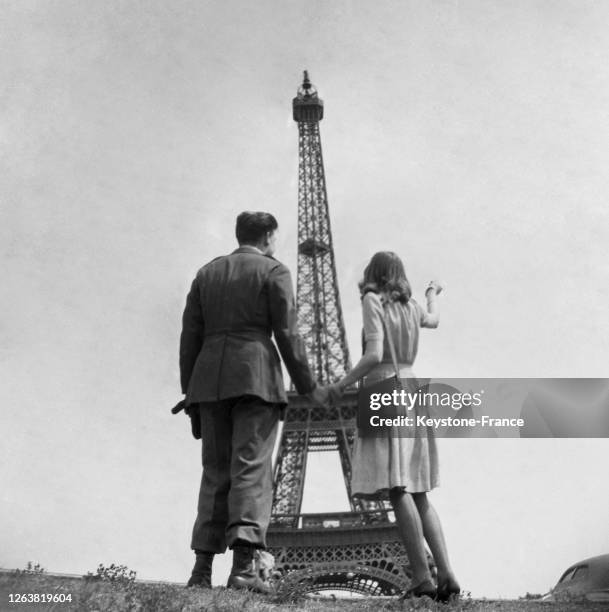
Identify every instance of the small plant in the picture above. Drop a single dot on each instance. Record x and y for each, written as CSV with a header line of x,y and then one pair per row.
x,y
31,569
529,596
289,591
121,594
118,574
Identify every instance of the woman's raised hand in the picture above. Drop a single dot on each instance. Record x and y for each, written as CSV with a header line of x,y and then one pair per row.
x,y
434,286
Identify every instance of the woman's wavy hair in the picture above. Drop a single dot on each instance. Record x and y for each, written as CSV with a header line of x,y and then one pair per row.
x,y
385,274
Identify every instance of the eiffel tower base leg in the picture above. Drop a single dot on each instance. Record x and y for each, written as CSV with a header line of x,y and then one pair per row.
x,y
368,559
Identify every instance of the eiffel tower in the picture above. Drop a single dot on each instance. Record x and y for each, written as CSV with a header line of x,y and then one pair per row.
x,y
359,550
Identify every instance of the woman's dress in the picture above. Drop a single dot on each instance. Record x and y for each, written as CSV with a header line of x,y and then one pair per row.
x,y
382,463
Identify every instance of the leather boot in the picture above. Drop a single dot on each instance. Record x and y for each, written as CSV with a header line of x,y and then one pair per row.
x,y
201,572
243,574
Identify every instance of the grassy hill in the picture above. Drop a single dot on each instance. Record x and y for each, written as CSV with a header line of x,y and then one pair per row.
x,y
119,591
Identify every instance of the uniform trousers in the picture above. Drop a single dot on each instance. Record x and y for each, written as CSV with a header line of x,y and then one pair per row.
x,y
236,495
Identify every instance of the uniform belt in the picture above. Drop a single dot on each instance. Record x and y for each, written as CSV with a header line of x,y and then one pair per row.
x,y
260,331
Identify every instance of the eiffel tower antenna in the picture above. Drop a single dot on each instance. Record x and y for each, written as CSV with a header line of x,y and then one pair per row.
x,y
359,550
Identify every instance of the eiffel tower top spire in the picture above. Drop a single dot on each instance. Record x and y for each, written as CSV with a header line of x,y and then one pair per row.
x,y
307,106
307,88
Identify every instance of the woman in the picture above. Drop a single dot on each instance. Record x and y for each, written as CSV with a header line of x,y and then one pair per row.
x,y
398,468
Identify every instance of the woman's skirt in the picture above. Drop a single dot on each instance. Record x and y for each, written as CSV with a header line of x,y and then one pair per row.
x,y
379,464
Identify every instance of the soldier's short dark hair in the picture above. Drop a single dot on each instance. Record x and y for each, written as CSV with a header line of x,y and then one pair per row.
x,y
252,226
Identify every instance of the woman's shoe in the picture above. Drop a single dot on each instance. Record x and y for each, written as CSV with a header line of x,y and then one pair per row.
x,y
447,589
425,588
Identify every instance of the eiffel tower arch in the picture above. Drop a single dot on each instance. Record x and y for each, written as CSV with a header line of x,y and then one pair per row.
x,y
359,550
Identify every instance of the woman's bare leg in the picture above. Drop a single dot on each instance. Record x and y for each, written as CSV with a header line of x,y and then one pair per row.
x,y
432,530
411,531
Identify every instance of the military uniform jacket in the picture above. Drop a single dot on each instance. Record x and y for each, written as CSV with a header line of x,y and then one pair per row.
x,y
236,303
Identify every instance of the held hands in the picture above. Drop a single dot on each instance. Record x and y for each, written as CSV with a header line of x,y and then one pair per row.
x,y
335,392
319,396
326,396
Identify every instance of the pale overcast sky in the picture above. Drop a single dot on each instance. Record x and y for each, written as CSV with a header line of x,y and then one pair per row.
x,y
469,136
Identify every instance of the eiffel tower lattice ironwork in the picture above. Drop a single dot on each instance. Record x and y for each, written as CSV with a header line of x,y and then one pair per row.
x,y
358,550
